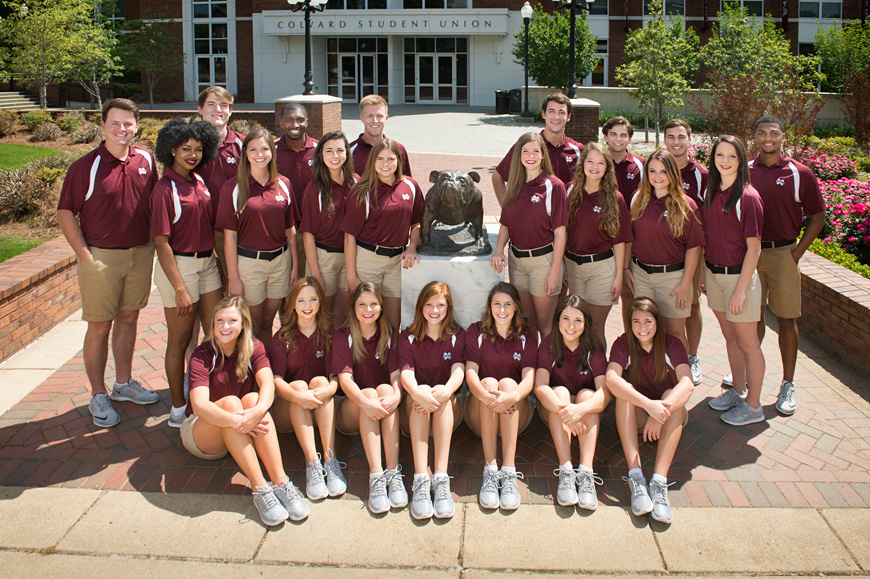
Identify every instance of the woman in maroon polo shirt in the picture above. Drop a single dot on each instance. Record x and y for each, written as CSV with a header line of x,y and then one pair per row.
x,y
258,216
500,357
299,352
598,229
382,226
323,202
652,395
432,359
668,237
231,390
534,218
569,384
182,218
365,355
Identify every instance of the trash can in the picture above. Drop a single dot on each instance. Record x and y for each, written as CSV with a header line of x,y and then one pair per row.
x,y
502,102
516,100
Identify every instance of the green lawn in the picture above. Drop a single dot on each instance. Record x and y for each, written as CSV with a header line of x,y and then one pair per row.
x,y
12,246
16,156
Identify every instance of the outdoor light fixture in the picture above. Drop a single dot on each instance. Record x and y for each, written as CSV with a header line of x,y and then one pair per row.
x,y
572,6
527,11
308,6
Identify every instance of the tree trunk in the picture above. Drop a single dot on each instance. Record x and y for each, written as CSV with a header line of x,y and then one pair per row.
x,y
646,124
43,96
151,93
658,112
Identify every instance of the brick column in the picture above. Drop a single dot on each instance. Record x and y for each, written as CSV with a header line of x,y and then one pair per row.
x,y
324,113
583,126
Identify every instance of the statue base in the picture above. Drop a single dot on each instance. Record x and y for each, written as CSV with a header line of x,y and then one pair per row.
x,y
455,241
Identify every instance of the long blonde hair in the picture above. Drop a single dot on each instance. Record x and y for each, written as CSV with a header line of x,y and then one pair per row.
x,y
245,341
517,175
369,181
243,177
677,208
384,327
290,319
608,192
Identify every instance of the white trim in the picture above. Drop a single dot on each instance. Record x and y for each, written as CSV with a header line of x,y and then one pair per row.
x,y
176,202
797,181
93,177
548,200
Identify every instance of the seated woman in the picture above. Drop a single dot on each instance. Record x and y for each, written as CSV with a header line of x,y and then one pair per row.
x,y
304,385
432,359
569,385
365,357
652,396
231,391
500,356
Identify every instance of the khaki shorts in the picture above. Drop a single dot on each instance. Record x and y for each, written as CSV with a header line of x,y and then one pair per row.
x,y
657,287
190,444
529,274
332,271
199,275
116,280
720,286
265,279
780,279
219,252
696,293
381,270
592,281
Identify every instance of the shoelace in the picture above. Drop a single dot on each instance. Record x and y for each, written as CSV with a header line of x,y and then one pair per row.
x,y
379,486
334,467
587,481
394,477
102,402
317,471
420,488
638,488
566,478
509,481
491,481
268,496
659,492
441,485
134,385
789,392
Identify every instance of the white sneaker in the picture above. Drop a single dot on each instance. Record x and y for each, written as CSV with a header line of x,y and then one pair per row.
x,y
785,402
443,505
421,497
488,496
510,499
177,416
728,381
272,512
335,481
640,501
661,510
132,391
378,501
566,494
396,487
695,365
727,400
587,497
743,414
288,495
102,412
315,486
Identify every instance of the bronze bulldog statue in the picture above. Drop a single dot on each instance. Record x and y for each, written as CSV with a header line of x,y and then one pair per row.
x,y
454,199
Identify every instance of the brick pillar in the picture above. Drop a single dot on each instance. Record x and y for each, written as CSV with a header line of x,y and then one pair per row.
x,y
324,113
583,126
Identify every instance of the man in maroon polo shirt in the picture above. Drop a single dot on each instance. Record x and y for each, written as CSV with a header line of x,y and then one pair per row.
x,y
627,166
104,212
373,114
789,191
564,152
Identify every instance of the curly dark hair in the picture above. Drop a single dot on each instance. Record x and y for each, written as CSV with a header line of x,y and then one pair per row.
x,y
178,131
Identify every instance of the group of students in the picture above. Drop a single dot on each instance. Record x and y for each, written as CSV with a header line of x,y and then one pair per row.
x,y
225,217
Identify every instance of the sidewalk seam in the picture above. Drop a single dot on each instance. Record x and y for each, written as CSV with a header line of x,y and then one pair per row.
x,y
839,538
53,548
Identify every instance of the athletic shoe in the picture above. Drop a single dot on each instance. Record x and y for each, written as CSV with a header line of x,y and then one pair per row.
x,y
378,501
421,501
177,416
102,412
727,400
315,486
661,510
640,501
785,403
566,494
509,499
443,505
743,414
587,497
488,497
132,391
695,364
398,494
728,381
336,484
288,495
272,512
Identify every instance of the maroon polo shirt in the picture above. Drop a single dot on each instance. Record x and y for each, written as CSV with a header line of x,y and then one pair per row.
x,y
787,188
567,374
399,206
628,174
360,151
211,370
111,197
653,242
371,373
182,209
431,360
726,233
675,354
325,227
502,358
269,212
223,167
694,178
563,157
290,163
584,236
540,208
308,359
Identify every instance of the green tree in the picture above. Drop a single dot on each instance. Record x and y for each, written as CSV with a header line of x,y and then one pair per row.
x,y
95,62
151,47
548,48
844,52
660,59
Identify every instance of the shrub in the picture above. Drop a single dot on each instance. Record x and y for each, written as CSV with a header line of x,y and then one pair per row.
x,y
848,216
828,166
69,122
636,118
825,130
855,100
87,133
829,249
243,127
49,169
22,195
46,132
148,129
7,123
35,118
700,149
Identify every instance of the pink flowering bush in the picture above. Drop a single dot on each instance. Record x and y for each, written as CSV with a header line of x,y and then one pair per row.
x,y
848,216
827,166
700,149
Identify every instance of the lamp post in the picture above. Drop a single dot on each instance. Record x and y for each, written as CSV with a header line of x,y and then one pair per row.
x,y
307,6
526,11
572,6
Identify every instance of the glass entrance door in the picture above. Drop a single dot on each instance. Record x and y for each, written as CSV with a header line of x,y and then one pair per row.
x,y
367,74
435,78
348,79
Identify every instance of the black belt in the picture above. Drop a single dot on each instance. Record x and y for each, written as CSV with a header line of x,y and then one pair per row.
x,y
329,249
658,268
264,255
777,244
196,254
722,269
581,259
381,250
532,252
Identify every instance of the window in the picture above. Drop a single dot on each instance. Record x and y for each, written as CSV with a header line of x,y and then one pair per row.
x,y
209,9
753,7
598,76
434,4
356,5
598,8
210,43
113,10
816,10
436,70
357,67
671,7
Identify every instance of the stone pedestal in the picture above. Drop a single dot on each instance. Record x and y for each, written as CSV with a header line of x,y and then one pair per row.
x,y
470,279
324,113
583,126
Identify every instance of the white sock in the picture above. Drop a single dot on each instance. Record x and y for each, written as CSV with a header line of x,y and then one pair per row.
x,y
120,383
659,479
566,466
636,472
490,468
421,476
440,475
179,409
586,469
509,469
375,474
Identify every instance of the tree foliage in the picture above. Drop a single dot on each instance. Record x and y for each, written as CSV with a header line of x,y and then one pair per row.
x,y
855,99
95,60
844,52
151,47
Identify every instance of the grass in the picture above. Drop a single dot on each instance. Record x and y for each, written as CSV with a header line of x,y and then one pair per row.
x,y
12,246
16,156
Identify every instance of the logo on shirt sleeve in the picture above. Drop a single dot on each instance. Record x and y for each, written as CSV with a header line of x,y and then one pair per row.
x,y
780,181
518,356
686,186
278,197
143,171
310,162
536,199
596,209
630,176
446,355
319,354
406,197
569,158
231,160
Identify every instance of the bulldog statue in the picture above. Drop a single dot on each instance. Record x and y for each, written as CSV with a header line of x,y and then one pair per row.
x,y
452,220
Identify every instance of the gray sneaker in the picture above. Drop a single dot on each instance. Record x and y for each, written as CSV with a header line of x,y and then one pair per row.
x,y
587,497
488,497
398,494
421,500
509,499
727,400
288,495
566,494
661,510
443,505
336,484
272,512
315,485
785,403
102,412
743,414
132,391
176,419
695,365
640,501
378,501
